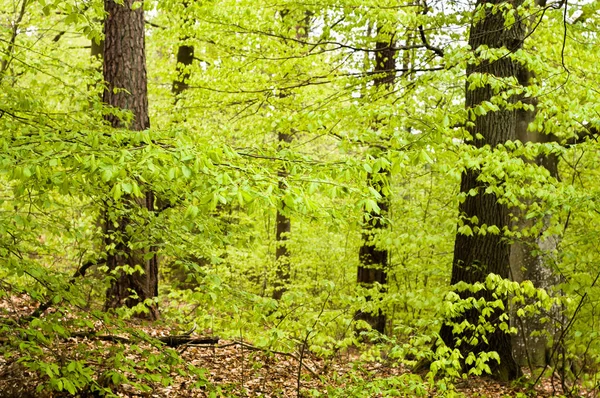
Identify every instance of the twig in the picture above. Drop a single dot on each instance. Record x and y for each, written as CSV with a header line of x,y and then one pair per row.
x,y
13,38
80,272
305,342
566,329
254,348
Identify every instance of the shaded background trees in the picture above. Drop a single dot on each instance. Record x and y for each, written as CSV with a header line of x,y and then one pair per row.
x,y
364,142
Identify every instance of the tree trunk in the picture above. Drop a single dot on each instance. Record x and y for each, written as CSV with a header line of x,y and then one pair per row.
x,y
373,262
126,88
283,223
531,257
478,255
185,58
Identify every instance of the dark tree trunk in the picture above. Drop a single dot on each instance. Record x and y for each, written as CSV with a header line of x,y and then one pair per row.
x,y
126,88
185,58
125,63
283,225
478,255
373,262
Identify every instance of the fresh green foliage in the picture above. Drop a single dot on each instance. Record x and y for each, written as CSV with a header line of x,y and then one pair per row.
x,y
213,161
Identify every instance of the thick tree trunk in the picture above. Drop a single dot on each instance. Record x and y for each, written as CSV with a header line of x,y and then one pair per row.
x,y
126,88
531,257
373,262
478,255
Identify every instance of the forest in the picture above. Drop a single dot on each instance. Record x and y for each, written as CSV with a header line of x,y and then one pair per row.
x,y
320,198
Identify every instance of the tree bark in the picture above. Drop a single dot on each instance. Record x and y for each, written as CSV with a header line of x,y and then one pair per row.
x,y
373,261
531,257
126,88
478,255
185,58
283,228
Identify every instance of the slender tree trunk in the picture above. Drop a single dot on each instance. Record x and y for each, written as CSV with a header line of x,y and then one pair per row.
x,y
185,58
283,228
283,223
126,88
478,255
373,261
8,52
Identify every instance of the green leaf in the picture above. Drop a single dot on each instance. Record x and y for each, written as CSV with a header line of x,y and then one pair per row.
x,y
69,386
126,187
106,174
191,211
116,192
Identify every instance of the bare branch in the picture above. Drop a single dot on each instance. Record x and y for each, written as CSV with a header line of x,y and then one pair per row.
x,y
13,38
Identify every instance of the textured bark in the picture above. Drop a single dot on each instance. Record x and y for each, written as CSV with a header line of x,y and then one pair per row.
x,y
531,257
126,88
373,262
125,64
476,256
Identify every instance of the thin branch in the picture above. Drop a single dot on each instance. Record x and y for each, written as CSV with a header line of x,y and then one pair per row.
x,y
319,80
254,348
149,23
424,40
314,44
80,272
566,329
13,38
564,43
313,162
436,50
587,133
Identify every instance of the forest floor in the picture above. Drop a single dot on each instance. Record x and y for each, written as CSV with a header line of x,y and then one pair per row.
x,y
239,369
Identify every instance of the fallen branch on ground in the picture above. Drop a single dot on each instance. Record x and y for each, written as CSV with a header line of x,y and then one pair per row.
x,y
169,341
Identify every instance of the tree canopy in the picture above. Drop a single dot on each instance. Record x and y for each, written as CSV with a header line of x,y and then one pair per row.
x,y
412,181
